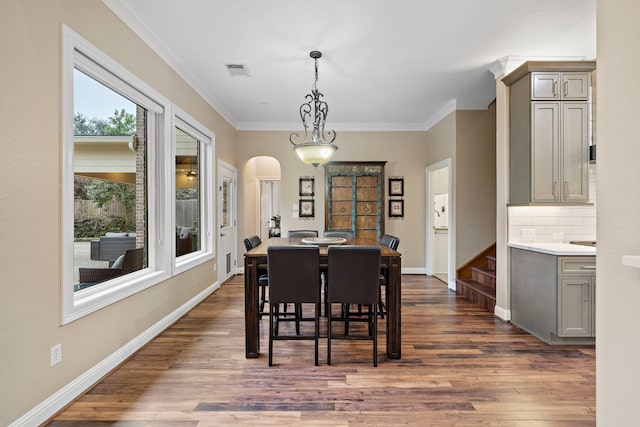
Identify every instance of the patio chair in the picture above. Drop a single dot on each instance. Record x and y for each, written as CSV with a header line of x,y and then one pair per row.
x,y
132,260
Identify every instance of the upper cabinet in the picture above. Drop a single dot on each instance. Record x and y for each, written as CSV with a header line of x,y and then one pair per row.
x,y
549,132
569,86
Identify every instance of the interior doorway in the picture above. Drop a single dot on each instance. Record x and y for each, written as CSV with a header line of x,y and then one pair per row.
x,y
262,201
439,260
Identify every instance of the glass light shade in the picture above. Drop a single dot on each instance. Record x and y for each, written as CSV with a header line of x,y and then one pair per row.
x,y
315,153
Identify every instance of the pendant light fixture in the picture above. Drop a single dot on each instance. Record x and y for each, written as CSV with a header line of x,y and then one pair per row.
x,y
320,147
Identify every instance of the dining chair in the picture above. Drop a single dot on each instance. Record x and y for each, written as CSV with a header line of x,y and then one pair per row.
x,y
294,277
303,233
263,276
347,234
354,279
392,242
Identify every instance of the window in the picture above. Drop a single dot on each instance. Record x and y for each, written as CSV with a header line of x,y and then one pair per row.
x,y
193,160
112,190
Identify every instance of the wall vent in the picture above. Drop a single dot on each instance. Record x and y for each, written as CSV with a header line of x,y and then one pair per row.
x,y
237,70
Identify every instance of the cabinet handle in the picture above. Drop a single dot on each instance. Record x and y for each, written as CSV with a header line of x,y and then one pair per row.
x,y
566,88
555,89
566,188
585,291
555,189
588,267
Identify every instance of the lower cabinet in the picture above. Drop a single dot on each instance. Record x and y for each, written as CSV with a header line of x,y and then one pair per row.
x,y
553,297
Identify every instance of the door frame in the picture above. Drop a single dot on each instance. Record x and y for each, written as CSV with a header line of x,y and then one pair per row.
x,y
259,181
233,241
430,234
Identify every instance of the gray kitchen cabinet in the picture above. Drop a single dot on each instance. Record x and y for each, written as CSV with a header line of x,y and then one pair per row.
x,y
553,297
549,140
556,86
576,297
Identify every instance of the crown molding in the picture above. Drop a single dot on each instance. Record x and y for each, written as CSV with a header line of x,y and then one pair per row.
x,y
134,20
506,64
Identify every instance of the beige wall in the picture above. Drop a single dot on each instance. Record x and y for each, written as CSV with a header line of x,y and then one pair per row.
x,y
406,154
30,219
618,211
475,187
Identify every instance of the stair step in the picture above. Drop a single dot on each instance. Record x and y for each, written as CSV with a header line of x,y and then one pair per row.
x,y
491,262
478,293
484,276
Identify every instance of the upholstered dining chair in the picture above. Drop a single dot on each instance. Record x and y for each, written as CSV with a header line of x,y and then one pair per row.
x,y
263,277
354,279
392,242
303,233
294,277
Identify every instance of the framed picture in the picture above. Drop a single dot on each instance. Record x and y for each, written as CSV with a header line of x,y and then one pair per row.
x,y
306,208
396,208
396,186
306,187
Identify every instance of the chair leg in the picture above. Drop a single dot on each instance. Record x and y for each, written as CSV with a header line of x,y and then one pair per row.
x,y
346,309
298,316
375,336
271,315
262,300
317,331
329,336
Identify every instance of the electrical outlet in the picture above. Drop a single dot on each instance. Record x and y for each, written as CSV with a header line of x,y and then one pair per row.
x,y
558,236
55,354
528,234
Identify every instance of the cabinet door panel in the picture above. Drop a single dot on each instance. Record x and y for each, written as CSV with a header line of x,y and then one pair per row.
x,y
575,86
575,152
574,306
545,134
545,86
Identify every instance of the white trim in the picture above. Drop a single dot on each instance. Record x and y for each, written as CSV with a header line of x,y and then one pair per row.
x,y
507,64
206,172
130,16
67,394
77,52
413,270
502,313
429,243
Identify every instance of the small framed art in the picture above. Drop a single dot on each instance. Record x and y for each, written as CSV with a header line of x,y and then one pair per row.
x,y
306,187
396,208
396,186
306,208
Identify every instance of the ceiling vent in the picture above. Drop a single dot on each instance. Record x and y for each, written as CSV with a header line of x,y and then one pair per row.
x,y
237,70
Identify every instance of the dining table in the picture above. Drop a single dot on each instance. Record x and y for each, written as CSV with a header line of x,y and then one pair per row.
x,y
256,259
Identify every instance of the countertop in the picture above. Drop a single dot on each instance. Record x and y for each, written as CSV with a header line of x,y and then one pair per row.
x,y
556,248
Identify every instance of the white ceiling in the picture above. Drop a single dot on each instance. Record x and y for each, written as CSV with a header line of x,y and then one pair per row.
x,y
386,65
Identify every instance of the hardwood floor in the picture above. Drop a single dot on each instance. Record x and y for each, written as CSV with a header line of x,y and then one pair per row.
x,y
460,366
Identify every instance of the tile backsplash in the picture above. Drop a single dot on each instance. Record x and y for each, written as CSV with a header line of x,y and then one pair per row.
x,y
555,223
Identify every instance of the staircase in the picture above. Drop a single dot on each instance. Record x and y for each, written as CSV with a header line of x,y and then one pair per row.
x,y
476,280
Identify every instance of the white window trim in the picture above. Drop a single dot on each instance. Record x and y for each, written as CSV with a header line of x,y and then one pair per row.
x,y
77,52
206,174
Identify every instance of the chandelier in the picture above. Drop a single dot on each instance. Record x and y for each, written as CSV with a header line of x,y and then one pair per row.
x,y
319,149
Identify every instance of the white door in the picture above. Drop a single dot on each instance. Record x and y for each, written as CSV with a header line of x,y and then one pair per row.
x,y
227,221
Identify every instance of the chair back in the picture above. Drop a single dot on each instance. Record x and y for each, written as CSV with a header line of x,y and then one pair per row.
x,y
133,260
347,234
303,233
354,274
294,274
252,242
390,241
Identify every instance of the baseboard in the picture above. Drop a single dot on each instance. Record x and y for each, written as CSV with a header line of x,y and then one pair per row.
x,y
67,394
413,270
502,313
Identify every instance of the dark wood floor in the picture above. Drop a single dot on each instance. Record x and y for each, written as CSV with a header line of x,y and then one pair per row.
x,y
460,366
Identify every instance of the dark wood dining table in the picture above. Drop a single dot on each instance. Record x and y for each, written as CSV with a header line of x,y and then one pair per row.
x,y
257,256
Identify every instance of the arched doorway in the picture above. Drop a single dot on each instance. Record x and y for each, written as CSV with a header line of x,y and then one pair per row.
x,y
262,176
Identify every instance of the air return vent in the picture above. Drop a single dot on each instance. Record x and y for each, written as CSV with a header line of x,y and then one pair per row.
x,y
237,70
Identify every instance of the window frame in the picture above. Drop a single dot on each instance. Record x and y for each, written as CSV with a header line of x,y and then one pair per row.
x,y
206,177
79,53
